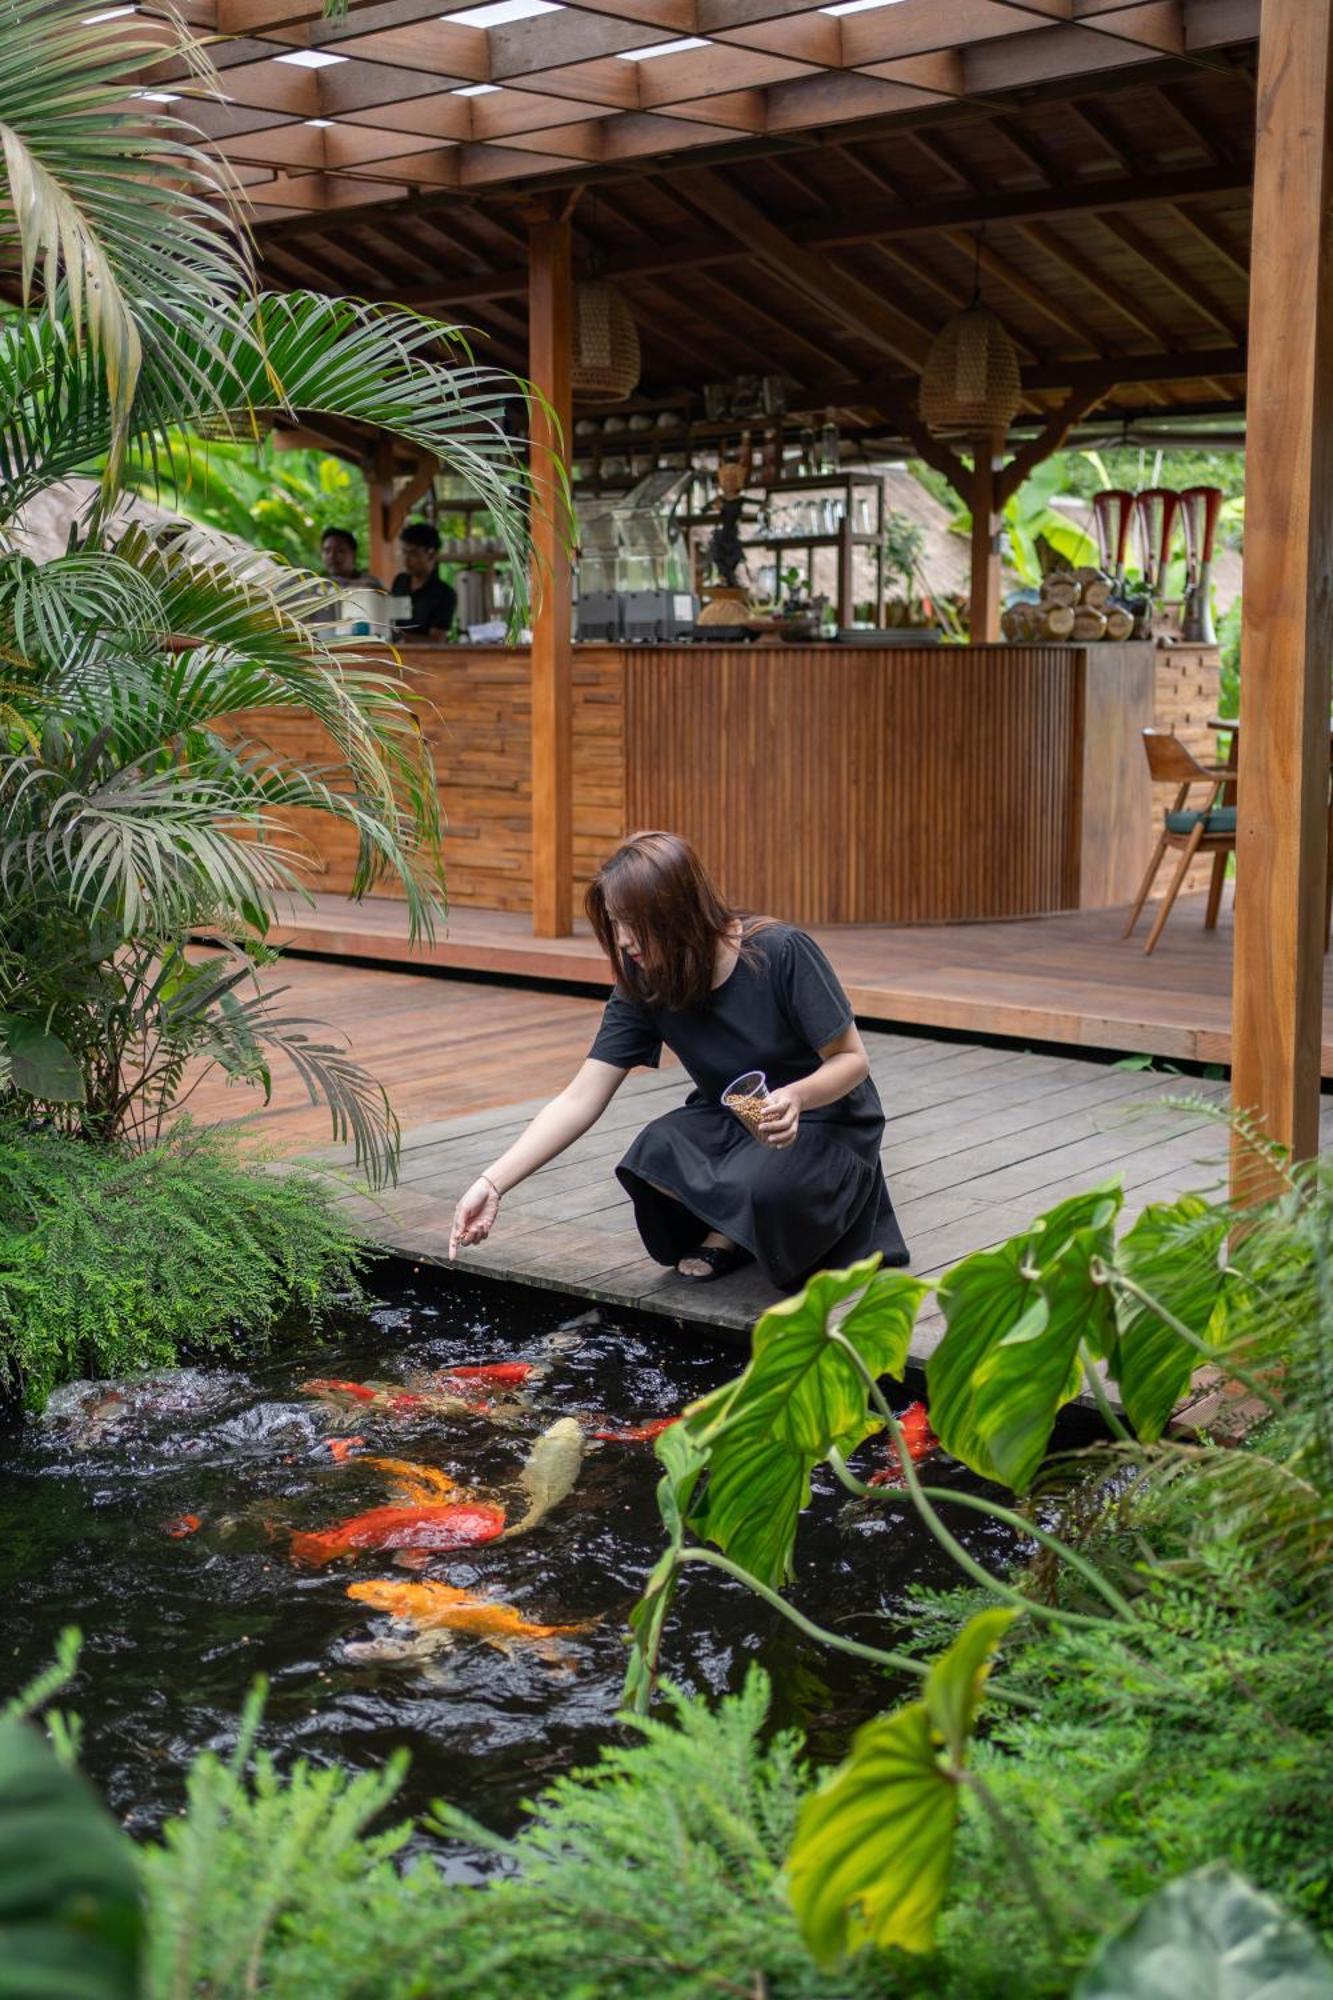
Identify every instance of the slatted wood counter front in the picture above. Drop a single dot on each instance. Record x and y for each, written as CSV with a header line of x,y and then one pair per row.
x,y
827,784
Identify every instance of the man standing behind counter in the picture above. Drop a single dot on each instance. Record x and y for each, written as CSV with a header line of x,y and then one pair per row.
x,y
433,600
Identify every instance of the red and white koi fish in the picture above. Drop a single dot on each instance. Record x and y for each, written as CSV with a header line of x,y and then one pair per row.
x,y
390,1399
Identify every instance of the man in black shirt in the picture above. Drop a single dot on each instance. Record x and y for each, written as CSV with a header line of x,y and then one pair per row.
x,y
433,600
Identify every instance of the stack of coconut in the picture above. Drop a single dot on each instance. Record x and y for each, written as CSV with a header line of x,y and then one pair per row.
x,y
1077,604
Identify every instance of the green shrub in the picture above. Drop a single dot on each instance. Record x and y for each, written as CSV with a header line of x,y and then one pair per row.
x,y
113,1260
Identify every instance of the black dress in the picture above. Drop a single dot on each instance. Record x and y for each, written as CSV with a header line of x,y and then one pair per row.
x,y
818,1204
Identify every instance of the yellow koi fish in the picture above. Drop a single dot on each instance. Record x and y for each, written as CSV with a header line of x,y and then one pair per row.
x,y
441,1608
416,1485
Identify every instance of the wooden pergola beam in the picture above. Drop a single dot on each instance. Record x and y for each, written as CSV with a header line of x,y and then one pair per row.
x,y
887,224
1287,605
796,71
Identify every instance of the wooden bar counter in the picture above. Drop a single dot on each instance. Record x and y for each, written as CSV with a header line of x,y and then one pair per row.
x,y
827,783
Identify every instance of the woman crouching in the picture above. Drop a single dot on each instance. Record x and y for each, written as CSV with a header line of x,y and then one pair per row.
x,y
727,994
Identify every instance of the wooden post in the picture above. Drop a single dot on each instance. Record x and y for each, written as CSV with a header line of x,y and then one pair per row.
x,y
1287,616
984,616
382,560
550,336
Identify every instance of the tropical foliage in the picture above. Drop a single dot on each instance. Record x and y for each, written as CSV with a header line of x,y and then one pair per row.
x,y
142,804
279,500
1064,1306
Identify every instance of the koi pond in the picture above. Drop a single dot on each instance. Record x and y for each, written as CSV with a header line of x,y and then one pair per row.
x,y
204,1526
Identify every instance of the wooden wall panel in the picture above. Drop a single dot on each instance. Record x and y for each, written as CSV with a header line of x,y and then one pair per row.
x,y
895,785
477,718
1116,822
899,786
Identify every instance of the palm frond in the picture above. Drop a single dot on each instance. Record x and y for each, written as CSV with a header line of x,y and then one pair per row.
x,y
59,613
120,210
241,1031
138,847
277,355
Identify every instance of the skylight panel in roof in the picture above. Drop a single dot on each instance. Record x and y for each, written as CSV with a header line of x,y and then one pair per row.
x,y
665,49
500,12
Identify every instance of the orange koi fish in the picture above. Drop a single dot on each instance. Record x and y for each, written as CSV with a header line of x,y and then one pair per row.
x,y
919,1439
184,1524
417,1485
341,1449
428,1527
440,1608
638,1433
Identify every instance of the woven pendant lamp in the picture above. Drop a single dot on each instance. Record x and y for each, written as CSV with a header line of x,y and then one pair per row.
x,y
970,386
605,361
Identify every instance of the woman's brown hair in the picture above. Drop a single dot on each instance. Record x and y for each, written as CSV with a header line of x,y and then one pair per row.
x,y
657,887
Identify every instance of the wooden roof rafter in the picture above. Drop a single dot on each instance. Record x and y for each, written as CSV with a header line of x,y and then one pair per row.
x,y
588,84
816,188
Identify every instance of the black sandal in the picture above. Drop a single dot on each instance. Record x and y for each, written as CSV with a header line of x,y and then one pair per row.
x,y
721,1258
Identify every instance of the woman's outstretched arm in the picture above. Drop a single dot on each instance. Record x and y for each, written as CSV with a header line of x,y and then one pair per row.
x,y
557,1125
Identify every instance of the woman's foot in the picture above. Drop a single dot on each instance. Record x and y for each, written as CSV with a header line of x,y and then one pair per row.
x,y
716,1256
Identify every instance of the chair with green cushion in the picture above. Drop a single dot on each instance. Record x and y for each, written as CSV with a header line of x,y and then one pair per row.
x,y
1209,828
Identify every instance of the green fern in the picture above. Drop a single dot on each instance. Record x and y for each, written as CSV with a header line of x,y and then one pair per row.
x,y
653,1876
112,1261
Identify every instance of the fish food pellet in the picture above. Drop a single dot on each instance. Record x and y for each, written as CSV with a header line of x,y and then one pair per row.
x,y
749,1110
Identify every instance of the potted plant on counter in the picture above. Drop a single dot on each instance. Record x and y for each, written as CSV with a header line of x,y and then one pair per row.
x,y
800,616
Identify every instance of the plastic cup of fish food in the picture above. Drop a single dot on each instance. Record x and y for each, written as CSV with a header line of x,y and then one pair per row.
x,y
747,1097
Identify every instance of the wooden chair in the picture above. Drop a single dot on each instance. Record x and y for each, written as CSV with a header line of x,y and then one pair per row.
x,y
1206,829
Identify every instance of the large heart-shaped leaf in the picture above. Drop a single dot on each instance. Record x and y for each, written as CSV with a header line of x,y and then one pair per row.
x,y
873,1846
800,1398
957,1680
1174,1251
1210,1936
70,1917
40,1064
1014,1321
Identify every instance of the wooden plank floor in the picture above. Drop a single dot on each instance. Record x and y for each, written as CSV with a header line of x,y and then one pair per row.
x,y
1065,979
979,1138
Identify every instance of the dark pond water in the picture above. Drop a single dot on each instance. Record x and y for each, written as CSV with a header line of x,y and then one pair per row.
x,y
177,1624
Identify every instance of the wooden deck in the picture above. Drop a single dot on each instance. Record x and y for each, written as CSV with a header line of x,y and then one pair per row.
x,y
979,1138
1068,980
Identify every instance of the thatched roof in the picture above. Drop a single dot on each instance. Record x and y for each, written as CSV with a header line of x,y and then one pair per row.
x,y
41,530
